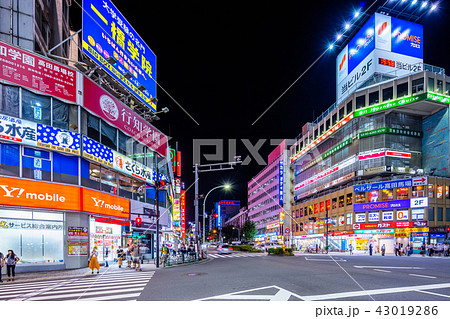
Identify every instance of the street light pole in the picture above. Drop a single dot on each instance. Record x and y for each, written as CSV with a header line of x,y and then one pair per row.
x,y
326,238
226,186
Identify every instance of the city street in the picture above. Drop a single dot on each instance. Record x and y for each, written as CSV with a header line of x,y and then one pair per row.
x,y
305,277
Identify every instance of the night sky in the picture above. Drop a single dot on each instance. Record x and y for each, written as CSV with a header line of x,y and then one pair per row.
x,y
226,62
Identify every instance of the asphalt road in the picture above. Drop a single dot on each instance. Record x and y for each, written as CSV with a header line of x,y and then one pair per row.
x,y
305,277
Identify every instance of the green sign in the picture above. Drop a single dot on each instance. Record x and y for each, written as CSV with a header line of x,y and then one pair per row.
x,y
390,104
374,231
438,97
390,130
331,151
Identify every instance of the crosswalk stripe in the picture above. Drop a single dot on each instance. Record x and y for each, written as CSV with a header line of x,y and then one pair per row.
x,y
126,296
93,288
91,293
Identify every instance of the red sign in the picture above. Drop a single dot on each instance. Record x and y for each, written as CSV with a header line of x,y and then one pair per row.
x,y
37,73
227,202
404,224
178,163
113,111
371,155
341,233
398,154
183,213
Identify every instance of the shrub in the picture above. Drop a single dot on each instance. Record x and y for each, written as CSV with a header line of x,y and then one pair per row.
x,y
279,251
246,248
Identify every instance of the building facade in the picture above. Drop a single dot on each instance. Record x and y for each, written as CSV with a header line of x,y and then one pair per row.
x,y
74,174
269,199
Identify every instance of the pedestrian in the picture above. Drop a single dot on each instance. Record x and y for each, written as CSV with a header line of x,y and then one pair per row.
x,y
136,253
370,249
446,250
129,256
11,261
93,261
1,265
430,250
422,250
350,249
383,250
120,256
396,249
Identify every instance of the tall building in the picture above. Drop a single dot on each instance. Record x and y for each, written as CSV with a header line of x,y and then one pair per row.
x,y
269,198
374,167
79,162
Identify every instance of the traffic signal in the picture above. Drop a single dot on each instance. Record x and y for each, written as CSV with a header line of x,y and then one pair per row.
x,y
138,221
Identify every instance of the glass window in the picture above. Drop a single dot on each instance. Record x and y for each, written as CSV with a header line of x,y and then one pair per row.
x,y
65,116
360,197
430,84
402,89
328,204
108,181
374,98
373,196
388,93
341,201
440,214
90,174
360,101
439,191
439,86
9,100
138,152
447,88
9,159
301,212
35,108
109,136
334,203
387,194
447,214
418,191
36,164
349,218
418,214
90,126
349,199
341,113
431,214
349,106
417,85
430,190
125,186
138,190
125,145
65,168
150,194
447,193
334,119
402,193
322,206
316,208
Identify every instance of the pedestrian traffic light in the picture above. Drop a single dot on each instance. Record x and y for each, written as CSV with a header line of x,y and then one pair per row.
x,y
138,221
216,215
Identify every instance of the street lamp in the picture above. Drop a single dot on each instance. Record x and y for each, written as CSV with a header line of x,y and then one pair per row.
x,y
226,186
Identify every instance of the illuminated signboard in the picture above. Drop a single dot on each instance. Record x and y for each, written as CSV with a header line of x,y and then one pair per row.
x,y
97,152
176,213
229,202
183,213
329,152
389,130
132,168
393,204
219,217
280,182
106,33
273,225
39,135
384,153
390,184
390,104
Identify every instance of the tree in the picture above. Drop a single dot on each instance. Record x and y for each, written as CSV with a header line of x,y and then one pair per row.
x,y
249,230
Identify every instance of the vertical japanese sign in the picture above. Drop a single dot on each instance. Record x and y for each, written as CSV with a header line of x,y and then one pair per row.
x,y
183,213
29,70
106,33
176,213
281,181
77,241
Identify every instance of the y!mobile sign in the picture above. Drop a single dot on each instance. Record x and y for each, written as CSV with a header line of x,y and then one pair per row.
x,y
113,111
34,72
382,38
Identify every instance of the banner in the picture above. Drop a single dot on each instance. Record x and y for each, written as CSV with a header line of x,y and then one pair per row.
x,y
34,72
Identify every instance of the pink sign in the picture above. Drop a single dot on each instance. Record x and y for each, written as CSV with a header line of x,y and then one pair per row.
x,y
32,71
113,111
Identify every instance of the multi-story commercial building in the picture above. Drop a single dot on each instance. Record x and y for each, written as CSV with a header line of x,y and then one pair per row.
x,y
77,166
239,219
374,168
268,198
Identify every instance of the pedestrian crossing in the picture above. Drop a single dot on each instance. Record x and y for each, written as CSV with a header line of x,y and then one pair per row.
x,y
234,255
114,285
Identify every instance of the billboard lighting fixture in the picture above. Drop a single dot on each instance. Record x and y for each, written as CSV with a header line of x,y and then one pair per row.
x,y
414,2
154,100
357,14
338,36
424,4
141,88
434,6
111,60
330,47
347,26
127,75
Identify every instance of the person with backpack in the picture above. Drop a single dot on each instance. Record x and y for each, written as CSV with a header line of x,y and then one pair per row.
x,y
11,261
120,255
1,265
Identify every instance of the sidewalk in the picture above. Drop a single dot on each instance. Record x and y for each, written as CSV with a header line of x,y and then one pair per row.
x,y
341,254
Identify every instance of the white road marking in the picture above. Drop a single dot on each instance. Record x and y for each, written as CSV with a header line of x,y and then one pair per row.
x,y
388,267
433,293
281,295
381,270
382,291
324,259
424,276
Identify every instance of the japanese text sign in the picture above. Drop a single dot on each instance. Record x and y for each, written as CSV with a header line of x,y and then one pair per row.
x,y
106,33
34,72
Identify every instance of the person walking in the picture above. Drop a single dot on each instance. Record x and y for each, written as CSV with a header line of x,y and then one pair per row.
x,y
120,256
350,249
446,250
11,261
2,257
396,249
423,250
93,261
370,249
136,253
129,256
383,250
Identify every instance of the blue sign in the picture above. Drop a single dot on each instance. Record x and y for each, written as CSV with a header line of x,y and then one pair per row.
x,y
106,33
362,44
437,235
97,152
407,38
58,139
219,218
382,185
392,204
280,182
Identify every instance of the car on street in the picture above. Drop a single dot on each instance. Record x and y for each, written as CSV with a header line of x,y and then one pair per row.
x,y
224,249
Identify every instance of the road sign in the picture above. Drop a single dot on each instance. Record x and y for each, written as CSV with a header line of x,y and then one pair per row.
x,y
287,230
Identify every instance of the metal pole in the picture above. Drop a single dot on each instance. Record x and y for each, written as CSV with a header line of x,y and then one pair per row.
x,y
204,208
196,208
326,239
157,212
